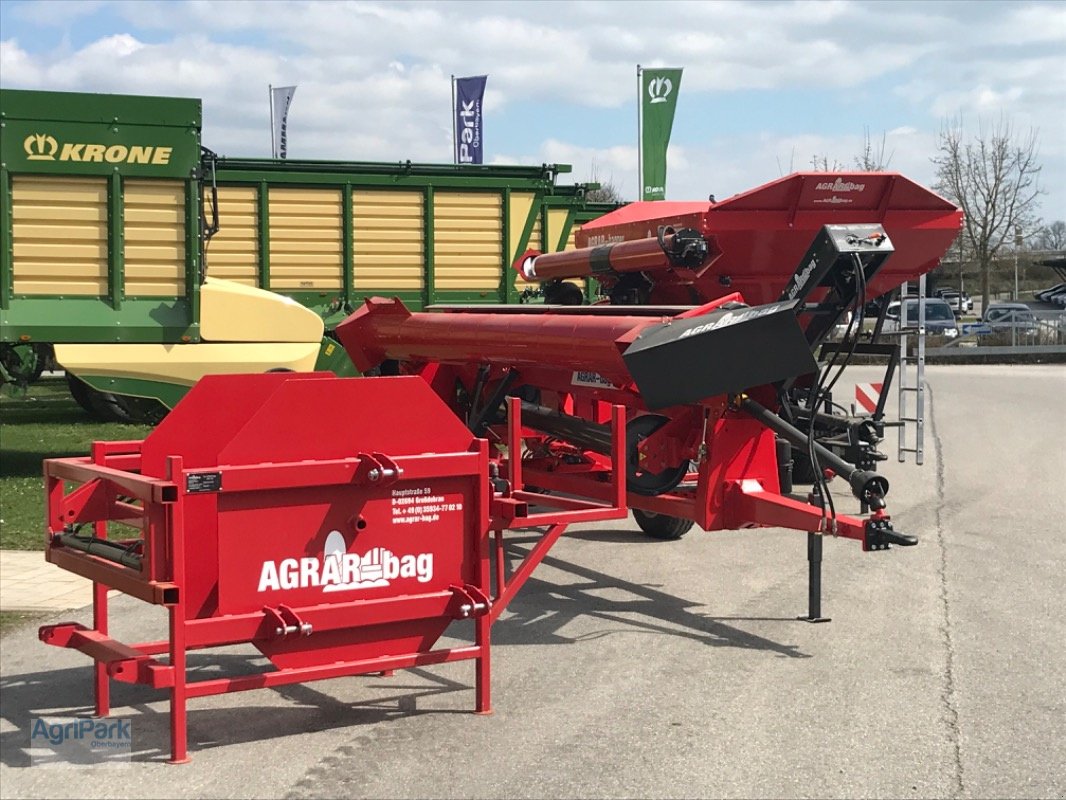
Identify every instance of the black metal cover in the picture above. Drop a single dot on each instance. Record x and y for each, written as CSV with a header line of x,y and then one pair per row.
x,y
726,351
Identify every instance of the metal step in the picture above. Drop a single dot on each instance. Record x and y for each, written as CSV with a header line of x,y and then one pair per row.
x,y
917,386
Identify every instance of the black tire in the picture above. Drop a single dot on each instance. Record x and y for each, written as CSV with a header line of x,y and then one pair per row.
x,y
143,410
81,392
104,405
639,481
563,294
108,407
661,526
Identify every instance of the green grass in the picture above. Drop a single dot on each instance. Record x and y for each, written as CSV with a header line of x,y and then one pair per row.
x,y
43,423
13,620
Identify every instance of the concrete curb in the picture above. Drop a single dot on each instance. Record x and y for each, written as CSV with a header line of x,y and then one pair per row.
x,y
29,583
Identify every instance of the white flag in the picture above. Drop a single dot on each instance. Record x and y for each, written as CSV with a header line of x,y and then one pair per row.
x,y
281,98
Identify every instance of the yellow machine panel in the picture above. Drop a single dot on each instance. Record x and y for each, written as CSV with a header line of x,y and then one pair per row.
x,y
306,248
232,312
518,213
184,364
536,236
388,240
59,235
557,218
468,234
154,238
233,252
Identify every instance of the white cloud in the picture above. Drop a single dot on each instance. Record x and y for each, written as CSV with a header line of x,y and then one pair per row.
x,y
373,76
57,13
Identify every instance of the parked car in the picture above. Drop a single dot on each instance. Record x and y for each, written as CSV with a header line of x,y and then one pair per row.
x,y
960,303
1017,317
939,318
873,307
1047,294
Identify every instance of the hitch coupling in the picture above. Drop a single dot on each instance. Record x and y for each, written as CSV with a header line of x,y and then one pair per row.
x,y
880,535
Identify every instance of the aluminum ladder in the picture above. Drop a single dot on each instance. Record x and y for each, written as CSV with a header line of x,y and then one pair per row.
x,y
917,366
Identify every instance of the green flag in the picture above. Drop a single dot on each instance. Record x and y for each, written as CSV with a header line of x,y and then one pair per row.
x,y
658,99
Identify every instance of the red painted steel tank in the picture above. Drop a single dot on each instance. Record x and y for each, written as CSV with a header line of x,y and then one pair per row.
x,y
763,233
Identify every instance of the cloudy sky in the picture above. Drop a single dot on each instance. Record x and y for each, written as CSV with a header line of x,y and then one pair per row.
x,y
767,86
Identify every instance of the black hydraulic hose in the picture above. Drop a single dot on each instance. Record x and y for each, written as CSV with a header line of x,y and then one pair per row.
x,y
112,551
480,421
590,435
867,486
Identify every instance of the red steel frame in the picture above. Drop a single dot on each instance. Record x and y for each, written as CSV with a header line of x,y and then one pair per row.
x,y
736,486
109,486
737,476
162,576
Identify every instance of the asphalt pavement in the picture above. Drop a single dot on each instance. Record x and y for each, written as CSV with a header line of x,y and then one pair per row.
x,y
634,668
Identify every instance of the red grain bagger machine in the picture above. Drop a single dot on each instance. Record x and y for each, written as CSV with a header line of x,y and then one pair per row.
x,y
338,525
341,525
264,510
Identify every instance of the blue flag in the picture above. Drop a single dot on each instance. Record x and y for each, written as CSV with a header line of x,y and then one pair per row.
x,y
469,132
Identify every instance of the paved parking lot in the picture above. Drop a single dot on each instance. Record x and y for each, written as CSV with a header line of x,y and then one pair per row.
x,y
634,668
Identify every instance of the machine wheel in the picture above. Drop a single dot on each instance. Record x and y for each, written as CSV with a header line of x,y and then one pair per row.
x,y
80,391
639,481
104,405
22,363
107,406
146,410
661,526
563,293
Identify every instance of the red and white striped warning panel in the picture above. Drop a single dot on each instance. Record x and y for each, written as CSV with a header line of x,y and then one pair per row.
x,y
867,395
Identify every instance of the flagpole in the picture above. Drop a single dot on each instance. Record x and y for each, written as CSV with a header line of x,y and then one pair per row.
x,y
640,138
270,91
455,143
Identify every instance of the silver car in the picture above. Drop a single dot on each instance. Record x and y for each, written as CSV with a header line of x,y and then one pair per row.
x,y
939,318
1017,317
960,303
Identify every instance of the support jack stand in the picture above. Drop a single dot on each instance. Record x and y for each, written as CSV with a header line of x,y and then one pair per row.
x,y
814,580
814,564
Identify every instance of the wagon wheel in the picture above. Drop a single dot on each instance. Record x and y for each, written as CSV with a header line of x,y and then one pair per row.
x,y
641,481
103,405
21,363
661,526
563,293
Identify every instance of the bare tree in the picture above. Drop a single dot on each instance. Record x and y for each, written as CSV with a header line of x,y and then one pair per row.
x,y
1052,236
994,178
823,164
791,163
608,191
873,159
